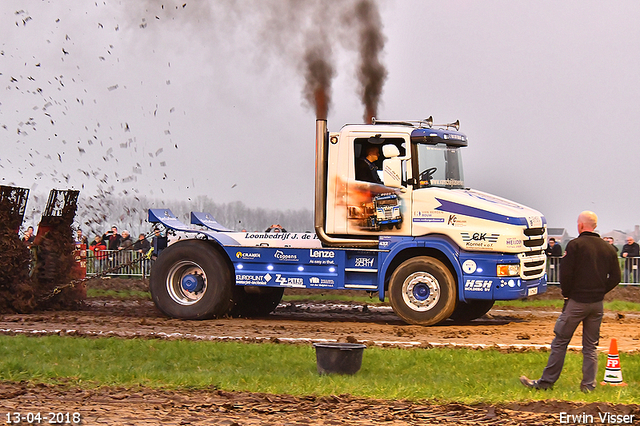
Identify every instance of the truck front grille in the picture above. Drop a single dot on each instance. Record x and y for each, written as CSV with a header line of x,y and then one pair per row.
x,y
532,232
533,263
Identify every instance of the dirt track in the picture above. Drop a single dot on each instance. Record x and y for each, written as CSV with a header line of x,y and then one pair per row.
x,y
118,406
309,322
512,329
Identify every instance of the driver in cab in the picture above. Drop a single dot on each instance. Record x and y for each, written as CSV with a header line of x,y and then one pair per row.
x,y
366,168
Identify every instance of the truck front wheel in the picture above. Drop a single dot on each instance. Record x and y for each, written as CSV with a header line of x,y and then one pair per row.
x,y
422,291
191,280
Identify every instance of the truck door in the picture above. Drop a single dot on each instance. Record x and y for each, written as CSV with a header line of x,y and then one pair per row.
x,y
372,206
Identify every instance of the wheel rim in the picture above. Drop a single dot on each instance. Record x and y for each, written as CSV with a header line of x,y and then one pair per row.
x,y
186,283
421,291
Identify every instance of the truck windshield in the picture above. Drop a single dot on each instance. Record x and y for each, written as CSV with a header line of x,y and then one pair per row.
x,y
440,166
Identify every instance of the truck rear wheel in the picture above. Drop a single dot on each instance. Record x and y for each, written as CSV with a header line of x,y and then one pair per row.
x,y
256,301
422,291
191,280
471,309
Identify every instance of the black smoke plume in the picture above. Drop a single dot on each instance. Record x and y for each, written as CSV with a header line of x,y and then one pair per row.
x,y
371,72
302,33
319,73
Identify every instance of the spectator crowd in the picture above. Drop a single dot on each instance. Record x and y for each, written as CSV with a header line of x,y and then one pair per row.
x,y
629,258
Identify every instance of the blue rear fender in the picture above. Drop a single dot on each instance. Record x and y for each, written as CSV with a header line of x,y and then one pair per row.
x,y
402,248
170,221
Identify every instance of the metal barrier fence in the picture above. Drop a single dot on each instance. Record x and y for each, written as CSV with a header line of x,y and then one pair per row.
x,y
628,266
130,260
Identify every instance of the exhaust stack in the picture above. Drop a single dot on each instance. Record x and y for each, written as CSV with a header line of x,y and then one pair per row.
x,y
321,194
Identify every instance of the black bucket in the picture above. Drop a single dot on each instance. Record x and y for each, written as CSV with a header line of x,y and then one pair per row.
x,y
340,358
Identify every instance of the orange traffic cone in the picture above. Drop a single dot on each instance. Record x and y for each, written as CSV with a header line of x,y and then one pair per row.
x,y
613,372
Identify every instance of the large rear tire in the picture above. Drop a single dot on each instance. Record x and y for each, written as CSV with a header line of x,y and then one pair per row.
x,y
191,280
471,309
251,301
422,291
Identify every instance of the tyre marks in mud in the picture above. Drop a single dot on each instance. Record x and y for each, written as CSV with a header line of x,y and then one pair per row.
x,y
143,406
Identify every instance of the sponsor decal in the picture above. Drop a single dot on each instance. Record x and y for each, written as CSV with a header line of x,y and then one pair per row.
x,y
447,182
454,136
469,266
322,253
479,239
320,282
455,221
282,256
429,219
268,235
514,242
534,221
247,256
479,236
478,285
322,257
383,243
364,262
289,282
251,279
392,173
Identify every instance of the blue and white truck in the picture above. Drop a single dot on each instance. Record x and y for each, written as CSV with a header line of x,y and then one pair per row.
x,y
455,252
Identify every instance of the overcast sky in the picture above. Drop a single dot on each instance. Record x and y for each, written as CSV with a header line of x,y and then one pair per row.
x,y
176,99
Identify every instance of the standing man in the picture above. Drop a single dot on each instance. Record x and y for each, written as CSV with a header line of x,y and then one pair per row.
x,y
553,249
142,245
629,251
112,239
125,241
610,241
589,270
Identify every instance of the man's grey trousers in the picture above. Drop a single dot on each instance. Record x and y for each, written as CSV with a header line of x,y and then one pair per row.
x,y
590,314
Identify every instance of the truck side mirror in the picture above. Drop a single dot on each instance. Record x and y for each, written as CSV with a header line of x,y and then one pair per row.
x,y
390,151
391,167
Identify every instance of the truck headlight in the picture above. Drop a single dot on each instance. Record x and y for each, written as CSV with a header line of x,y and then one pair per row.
x,y
511,270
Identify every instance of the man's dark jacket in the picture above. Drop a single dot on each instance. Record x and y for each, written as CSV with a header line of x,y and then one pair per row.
x,y
367,171
632,250
589,269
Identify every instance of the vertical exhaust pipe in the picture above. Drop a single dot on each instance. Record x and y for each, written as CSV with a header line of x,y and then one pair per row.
x,y
322,144
321,177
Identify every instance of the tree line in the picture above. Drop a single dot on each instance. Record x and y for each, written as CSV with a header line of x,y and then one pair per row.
x,y
99,212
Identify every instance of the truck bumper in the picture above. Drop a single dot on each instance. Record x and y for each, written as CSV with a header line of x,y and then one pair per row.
x,y
502,288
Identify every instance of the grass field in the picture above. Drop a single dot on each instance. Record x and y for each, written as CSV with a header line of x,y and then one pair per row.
x,y
441,375
118,294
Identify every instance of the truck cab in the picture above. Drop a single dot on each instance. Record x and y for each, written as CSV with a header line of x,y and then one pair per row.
x,y
494,247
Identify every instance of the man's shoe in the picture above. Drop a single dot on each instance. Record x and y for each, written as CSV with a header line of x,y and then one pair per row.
x,y
528,382
534,384
586,389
